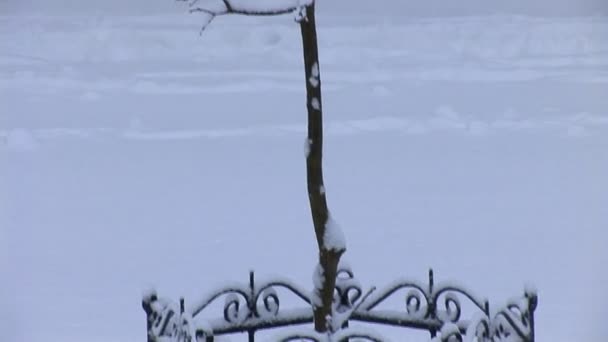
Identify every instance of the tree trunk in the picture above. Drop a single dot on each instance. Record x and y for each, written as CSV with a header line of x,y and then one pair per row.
x,y
328,257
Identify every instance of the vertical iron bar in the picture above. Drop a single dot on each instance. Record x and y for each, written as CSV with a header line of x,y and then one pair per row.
x,y
532,304
252,305
344,326
251,302
431,302
146,304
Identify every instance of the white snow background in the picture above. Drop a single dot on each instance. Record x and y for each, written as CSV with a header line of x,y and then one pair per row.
x,y
135,153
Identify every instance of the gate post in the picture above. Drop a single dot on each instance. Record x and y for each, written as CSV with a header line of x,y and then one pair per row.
x,y
146,303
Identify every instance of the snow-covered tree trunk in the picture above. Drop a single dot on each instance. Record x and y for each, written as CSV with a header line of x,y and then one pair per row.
x,y
330,246
329,237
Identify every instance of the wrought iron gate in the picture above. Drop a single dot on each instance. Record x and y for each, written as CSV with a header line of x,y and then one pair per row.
x,y
255,306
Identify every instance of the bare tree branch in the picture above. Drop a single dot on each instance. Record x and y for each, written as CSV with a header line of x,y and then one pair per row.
x,y
223,7
203,10
228,5
210,16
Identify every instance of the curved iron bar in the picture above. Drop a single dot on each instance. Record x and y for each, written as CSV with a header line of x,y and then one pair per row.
x,y
301,338
166,319
518,321
232,308
414,298
237,290
270,299
453,336
316,337
453,308
302,294
345,269
480,327
452,305
347,292
361,336
500,329
160,314
450,332
481,304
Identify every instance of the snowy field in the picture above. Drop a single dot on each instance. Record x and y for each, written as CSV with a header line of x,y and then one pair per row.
x,y
135,153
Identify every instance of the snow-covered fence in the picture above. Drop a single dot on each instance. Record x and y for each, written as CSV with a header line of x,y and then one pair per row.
x,y
255,306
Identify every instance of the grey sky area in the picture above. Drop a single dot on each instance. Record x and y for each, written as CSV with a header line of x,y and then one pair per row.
x,y
415,8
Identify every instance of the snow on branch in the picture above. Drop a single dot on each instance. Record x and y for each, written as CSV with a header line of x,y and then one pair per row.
x,y
333,239
213,8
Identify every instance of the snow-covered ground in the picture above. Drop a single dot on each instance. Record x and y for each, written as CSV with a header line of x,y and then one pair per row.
x,y
135,153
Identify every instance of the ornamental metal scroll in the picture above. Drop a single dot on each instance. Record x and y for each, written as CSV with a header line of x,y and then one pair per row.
x,y
343,335
427,306
253,307
252,295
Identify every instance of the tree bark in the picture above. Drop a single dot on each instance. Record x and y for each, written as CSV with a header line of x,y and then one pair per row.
x,y
328,257
329,251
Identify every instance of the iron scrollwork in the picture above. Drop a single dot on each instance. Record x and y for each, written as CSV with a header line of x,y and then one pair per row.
x,y
516,318
452,307
437,309
343,336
